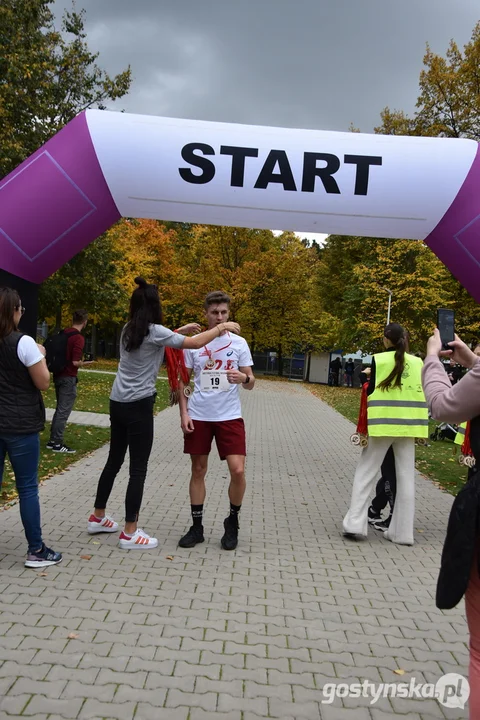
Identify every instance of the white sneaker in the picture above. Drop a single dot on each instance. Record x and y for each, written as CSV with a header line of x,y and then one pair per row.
x,y
138,541
101,525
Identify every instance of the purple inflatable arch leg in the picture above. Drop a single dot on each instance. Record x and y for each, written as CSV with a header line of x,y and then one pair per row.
x,y
69,205
456,238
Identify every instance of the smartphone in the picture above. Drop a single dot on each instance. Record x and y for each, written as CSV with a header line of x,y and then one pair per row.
x,y
446,326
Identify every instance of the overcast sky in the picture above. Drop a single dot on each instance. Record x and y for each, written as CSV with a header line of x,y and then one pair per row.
x,y
319,64
292,63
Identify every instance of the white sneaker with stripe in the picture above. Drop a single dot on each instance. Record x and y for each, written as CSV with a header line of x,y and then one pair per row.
x,y
101,525
138,541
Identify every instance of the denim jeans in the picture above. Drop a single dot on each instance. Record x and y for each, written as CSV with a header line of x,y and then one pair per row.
x,y
132,428
66,392
24,453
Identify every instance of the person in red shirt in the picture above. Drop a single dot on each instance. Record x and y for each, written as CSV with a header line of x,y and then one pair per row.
x,y
66,382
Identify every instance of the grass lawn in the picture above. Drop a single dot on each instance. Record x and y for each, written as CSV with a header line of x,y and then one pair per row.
x,y
437,461
103,364
93,392
84,438
112,365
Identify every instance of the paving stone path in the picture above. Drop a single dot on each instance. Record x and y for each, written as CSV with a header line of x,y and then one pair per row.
x,y
203,634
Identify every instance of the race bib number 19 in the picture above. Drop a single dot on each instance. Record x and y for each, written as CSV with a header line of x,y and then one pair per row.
x,y
214,380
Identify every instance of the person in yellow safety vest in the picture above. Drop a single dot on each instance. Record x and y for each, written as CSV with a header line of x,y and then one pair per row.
x,y
460,436
397,414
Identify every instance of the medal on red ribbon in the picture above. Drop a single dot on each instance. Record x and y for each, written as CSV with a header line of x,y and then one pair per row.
x,y
210,364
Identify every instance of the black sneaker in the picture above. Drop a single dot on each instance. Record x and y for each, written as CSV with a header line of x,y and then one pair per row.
x,y
50,445
383,524
230,539
350,536
63,449
43,558
373,515
192,538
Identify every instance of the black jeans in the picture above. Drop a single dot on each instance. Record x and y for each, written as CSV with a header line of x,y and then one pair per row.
x,y
132,428
387,485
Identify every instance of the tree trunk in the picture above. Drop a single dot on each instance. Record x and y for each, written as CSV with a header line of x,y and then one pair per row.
x,y
94,341
280,360
116,353
58,318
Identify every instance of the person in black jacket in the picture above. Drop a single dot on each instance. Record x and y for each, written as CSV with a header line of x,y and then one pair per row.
x,y
23,374
335,369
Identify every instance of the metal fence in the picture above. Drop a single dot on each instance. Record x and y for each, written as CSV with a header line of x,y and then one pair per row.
x,y
267,363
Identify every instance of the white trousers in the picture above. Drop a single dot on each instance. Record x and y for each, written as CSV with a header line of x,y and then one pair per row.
x,y
401,526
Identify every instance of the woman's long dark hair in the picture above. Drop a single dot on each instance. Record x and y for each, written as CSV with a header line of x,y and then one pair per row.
x,y
398,337
9,302
145,308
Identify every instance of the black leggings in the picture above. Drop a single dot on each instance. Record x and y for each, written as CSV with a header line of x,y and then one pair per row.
x,y
386,489
132,428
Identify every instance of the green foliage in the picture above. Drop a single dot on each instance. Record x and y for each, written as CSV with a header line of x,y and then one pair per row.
x,y
353,271
94,390
47,77
84,438
91,280
354,276
449,101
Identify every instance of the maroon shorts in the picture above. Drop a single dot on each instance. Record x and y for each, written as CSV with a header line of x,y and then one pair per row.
x,y
229,436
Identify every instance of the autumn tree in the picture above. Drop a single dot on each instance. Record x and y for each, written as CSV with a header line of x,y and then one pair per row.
x,y
280,306
352,270
148,248
271,281
354,274
213,259
449,101
91,280
47,76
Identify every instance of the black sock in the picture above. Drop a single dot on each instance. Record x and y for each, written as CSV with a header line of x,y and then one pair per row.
x,y
234,510
197,515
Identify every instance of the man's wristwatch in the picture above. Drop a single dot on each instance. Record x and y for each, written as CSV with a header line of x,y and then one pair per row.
x,y
247,380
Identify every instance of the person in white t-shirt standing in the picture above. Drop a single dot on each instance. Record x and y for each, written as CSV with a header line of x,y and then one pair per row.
x,y
213,410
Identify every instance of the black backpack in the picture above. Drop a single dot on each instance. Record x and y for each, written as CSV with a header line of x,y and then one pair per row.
x,y
56,350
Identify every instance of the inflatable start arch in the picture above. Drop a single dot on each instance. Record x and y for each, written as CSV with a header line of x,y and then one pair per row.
x,y
105,165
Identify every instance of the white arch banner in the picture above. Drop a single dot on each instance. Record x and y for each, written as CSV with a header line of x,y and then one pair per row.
x,y
104,165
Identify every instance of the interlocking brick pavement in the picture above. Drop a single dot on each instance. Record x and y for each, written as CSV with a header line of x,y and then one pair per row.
x,y
209,634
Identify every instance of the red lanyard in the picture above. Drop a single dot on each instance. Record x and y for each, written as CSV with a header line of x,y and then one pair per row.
x,y
211,362
212,352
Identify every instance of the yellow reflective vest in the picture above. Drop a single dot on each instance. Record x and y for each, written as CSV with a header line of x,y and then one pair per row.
x,y
398,411
460,436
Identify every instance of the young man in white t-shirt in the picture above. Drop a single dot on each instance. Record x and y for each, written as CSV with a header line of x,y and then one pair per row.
x,y
213,410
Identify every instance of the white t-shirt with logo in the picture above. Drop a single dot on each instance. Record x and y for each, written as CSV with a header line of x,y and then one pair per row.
x,y
222,401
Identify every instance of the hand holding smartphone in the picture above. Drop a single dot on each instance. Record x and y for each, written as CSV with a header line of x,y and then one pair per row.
x,y
446,327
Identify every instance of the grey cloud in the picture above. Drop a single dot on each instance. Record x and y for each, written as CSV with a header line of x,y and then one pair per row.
x,y
304,63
